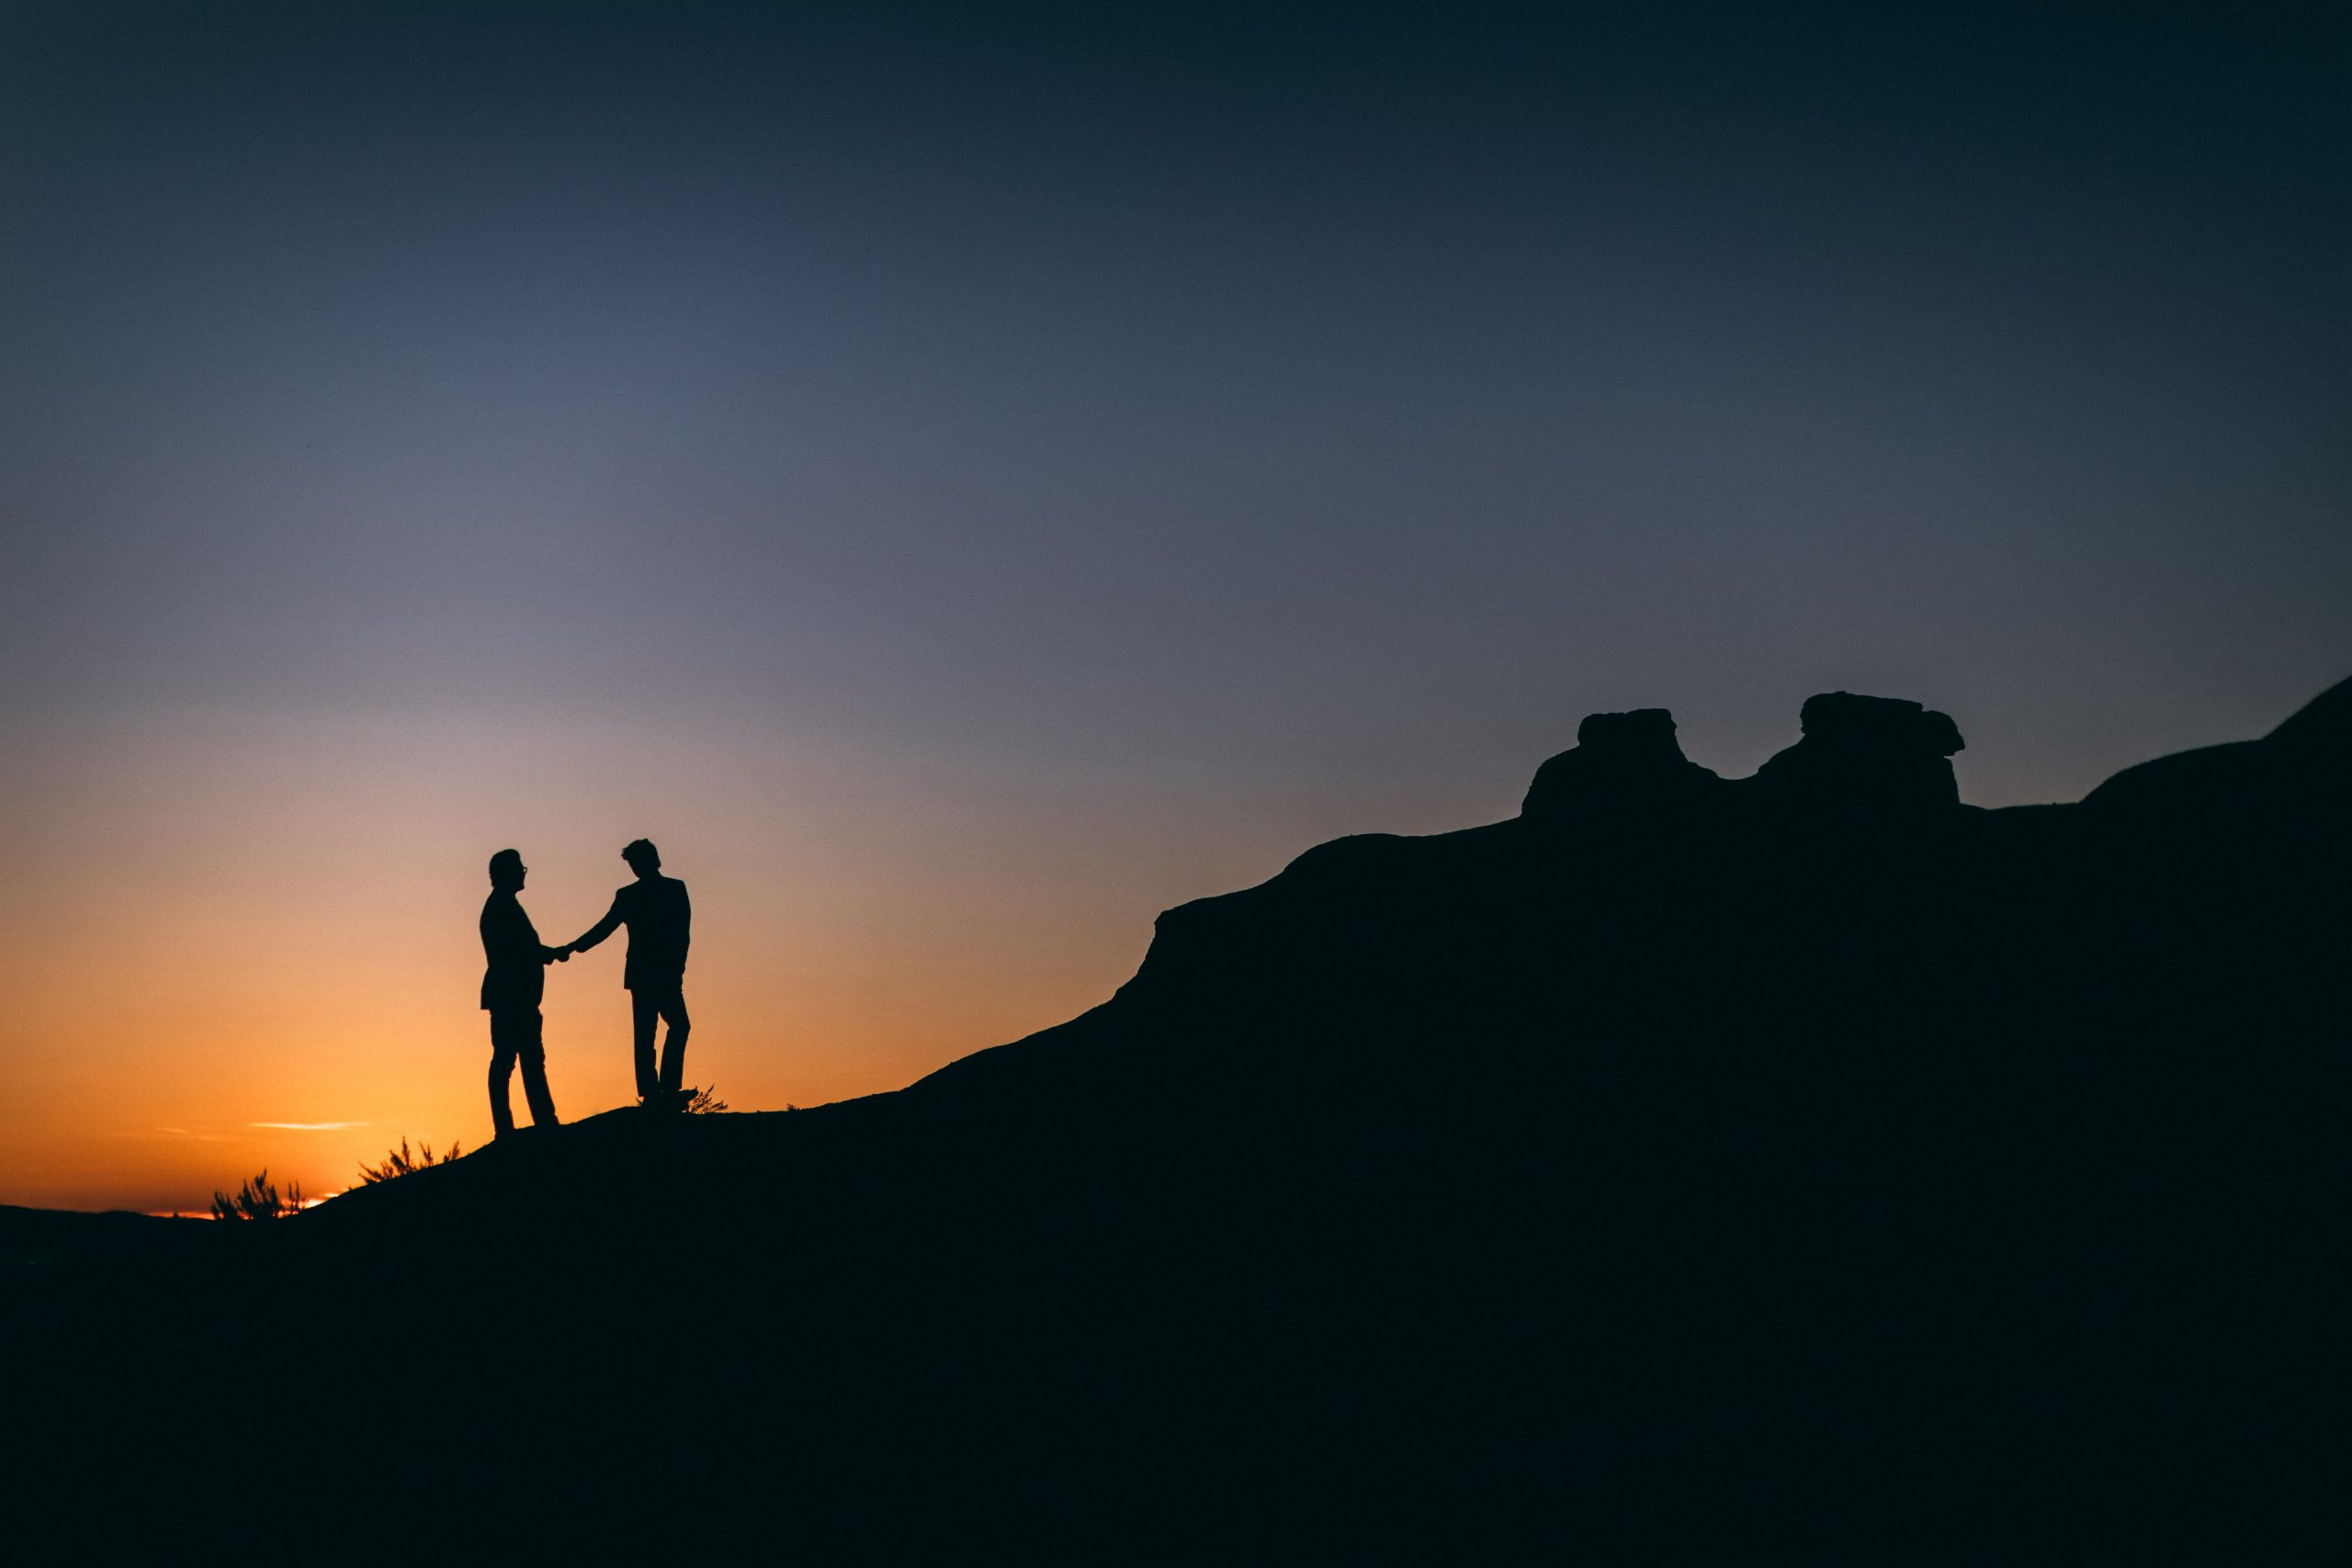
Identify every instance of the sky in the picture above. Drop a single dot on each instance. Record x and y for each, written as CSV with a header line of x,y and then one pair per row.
x,y
964,478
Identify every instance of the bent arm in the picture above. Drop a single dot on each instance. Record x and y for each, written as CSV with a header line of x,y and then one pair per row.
x,y
600,930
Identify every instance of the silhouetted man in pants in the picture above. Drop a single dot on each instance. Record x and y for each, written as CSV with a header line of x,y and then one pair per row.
x,y
655,910
511,988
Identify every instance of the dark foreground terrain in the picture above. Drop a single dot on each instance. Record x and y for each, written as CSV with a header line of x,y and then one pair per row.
x,y
1798,1167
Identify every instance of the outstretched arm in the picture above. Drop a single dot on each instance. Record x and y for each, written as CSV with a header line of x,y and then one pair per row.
x,y
600,930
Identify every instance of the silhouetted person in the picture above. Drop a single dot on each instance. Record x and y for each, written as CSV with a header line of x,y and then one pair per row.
x,y
655,910
511,987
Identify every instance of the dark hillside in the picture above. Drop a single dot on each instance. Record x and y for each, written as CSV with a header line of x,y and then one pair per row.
x,y
1801,1165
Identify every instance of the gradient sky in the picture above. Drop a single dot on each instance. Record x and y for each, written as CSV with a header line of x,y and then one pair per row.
x,y
965,478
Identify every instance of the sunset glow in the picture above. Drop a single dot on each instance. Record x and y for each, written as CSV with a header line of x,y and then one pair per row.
x,y
293,985
962,488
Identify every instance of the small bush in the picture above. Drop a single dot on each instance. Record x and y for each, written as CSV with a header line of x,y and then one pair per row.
x,y
399,1162
705,1102
259,1200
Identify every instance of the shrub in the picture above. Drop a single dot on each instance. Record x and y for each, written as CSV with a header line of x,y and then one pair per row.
x,y
399,1162
259,1200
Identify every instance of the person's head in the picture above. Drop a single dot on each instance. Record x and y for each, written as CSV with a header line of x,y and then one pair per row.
x,y
506,870
642,857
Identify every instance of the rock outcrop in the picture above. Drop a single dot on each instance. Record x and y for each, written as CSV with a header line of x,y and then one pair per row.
x,y
1622,765
1864,758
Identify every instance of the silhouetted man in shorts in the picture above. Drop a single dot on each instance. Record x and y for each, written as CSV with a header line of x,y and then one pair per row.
x,y
655,910
511,988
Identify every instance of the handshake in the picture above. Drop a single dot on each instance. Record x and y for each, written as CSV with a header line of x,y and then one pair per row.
x,y
557,954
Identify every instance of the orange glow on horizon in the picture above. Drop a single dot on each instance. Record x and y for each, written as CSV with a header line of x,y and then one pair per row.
x,y
250,943
244,942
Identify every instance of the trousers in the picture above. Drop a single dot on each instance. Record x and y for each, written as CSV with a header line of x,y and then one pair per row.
x,y
514,1037
645,1007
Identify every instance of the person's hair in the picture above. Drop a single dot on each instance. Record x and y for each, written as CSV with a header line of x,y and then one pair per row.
x,y
640,852
505,861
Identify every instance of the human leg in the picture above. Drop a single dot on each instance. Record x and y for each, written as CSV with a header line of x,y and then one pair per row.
x,y
673,1008
644,1009
501,1069
531,1052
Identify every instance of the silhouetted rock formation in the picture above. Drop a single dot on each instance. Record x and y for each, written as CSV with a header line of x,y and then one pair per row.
x,y
1872,757
1623,765
1482,1197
